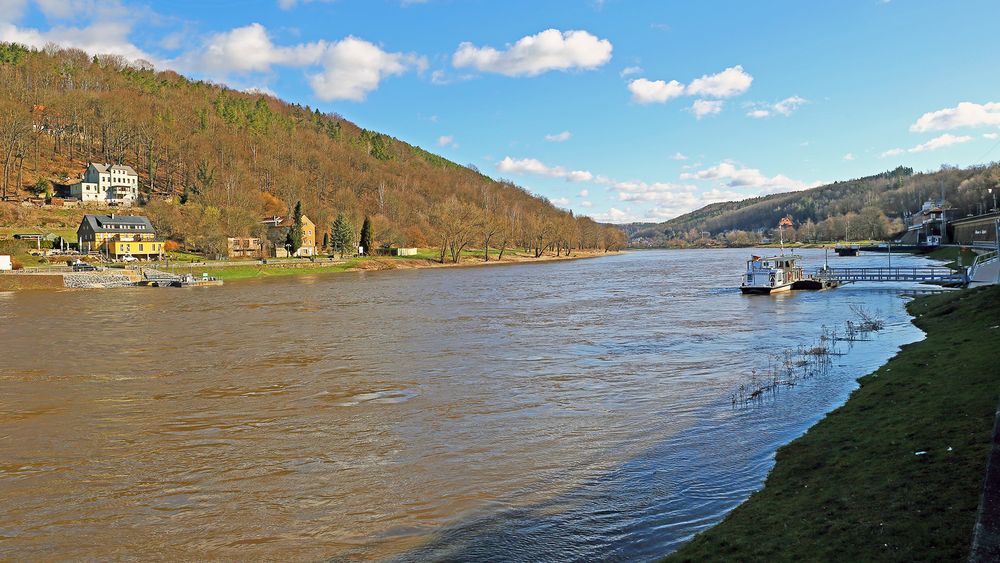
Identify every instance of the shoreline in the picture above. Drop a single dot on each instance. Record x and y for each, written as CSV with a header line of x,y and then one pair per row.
x,y
385,264
239,273
893,473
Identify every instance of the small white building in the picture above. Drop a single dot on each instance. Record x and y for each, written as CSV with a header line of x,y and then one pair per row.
x,y
114,184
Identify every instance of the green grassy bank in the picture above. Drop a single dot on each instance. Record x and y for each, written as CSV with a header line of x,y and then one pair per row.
x,y
852,488
266,271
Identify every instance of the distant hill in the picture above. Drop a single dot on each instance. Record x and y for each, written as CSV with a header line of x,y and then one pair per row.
x,y
864,208
212,161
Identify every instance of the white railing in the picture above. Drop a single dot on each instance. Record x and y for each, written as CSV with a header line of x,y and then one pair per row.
x,y
981,260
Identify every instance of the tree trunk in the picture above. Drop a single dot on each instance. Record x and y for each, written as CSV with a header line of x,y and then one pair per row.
x,y
486,245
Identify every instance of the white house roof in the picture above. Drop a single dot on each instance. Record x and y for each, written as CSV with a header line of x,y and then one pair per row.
x,y
108,167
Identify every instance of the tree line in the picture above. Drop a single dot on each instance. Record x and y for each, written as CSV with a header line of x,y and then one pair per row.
x,y
869,208
212,161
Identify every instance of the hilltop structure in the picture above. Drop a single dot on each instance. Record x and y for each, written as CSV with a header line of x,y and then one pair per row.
x,y
113,184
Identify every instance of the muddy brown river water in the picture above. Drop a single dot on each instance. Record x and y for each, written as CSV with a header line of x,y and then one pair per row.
x,y
563,411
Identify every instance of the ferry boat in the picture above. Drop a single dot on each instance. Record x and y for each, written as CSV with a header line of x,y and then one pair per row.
x,y
771,274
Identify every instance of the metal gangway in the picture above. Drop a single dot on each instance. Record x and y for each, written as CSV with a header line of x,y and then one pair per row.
x,y
890,274
153,275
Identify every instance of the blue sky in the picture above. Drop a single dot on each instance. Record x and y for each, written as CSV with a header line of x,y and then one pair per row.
x,y
619,109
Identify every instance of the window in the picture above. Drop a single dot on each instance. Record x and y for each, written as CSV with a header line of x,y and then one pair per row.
x,y
140,247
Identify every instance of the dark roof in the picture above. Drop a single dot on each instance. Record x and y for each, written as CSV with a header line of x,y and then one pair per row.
x,y
118,223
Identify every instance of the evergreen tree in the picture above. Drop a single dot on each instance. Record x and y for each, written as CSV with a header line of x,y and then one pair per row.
x,y
366,236
294,238
343,234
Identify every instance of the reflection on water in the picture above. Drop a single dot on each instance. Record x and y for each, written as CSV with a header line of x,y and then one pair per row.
x,y
553,411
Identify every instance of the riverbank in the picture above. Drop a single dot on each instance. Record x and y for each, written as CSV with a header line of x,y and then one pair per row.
x,y
248,271
893,474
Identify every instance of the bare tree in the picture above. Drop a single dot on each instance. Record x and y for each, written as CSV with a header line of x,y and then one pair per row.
x,y
15,127
457,223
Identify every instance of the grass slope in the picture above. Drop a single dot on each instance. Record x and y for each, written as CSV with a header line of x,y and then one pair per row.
x,y
852,488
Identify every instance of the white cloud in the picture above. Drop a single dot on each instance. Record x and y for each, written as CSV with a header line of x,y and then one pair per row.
x,y
615,215
12,10
789,105
630,70
965,114
68,9
655,91
704,108
679,156
447,141
348,69
659,192
939,142
784,107
583,193
260,90
535,54
352,68
102,27
991,136
536,167
250,49
103,36
561,201
730,82
559,137
849,157
586,204
289,4
737,176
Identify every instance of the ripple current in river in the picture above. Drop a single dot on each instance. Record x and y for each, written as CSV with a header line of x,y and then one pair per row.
x,y
572,410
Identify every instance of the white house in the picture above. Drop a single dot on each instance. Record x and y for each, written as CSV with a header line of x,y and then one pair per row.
x,y
107,183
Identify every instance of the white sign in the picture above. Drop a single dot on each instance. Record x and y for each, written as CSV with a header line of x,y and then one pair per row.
x,y
5,263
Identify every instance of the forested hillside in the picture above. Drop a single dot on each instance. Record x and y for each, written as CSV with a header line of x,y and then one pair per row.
x,y
212,161
872,207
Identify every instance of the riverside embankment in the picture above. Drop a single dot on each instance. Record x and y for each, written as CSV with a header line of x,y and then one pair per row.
x,y
896,472
62,277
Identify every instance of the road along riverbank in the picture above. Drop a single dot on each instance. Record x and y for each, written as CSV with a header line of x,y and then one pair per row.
x,y
896,472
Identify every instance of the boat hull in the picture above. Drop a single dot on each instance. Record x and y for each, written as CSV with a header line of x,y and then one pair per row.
x,y
764,289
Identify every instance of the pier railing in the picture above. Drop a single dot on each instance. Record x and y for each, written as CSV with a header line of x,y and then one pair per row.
x,y
939,275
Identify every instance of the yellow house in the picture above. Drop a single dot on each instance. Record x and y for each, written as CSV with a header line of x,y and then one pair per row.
x,y
138,249
118,236
308,247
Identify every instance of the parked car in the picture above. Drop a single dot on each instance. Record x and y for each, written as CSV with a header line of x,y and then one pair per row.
x,y
79,266
129,258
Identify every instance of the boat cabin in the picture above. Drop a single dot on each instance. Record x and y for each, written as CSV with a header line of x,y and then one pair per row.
x,y
771,273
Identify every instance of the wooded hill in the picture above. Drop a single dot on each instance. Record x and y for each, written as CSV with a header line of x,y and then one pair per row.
x,y
212,161
872,207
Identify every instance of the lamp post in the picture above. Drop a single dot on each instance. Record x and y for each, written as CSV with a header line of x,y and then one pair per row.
x,y
993,192
288,250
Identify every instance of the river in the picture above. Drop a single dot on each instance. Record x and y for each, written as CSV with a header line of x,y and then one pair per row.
x,y
559,411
